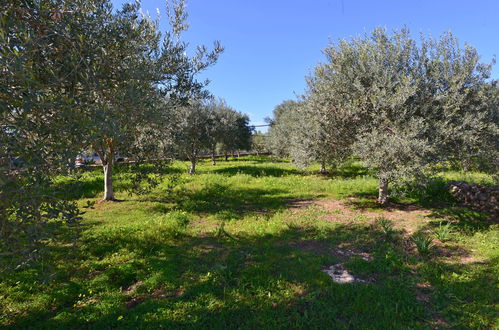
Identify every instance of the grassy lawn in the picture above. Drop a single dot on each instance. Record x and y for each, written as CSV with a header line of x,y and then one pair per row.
x,y
243,245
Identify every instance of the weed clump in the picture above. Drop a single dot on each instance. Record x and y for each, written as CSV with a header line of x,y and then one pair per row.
x,y
443,232
386,227
424,243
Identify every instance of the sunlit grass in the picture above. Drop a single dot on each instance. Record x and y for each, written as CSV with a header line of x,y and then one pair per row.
x,y
227,248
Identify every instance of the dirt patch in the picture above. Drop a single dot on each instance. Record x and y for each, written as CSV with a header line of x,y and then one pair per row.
x,y
207,248
312,246
296,204
422,292
347,253
134,302
451,254
406,217
132,288
260,211
156,294
203,225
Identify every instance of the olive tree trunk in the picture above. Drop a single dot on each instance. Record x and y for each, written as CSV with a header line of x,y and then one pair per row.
x,y
213,158
192,169
383,191
106,154
323,167
108,181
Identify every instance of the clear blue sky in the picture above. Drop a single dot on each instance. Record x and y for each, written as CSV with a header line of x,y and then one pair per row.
x,y
270,46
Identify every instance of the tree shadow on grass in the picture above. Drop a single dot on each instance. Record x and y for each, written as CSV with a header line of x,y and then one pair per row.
x,y
253,281
467,293
216,197
348,171
73,189
271,280
464,219
250,159
258,171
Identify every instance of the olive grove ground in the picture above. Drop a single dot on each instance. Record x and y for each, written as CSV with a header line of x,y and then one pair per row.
x,y
244,244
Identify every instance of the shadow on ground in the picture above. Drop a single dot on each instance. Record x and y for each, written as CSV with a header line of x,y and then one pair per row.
x,y
214,198
348,171
250,281
152,277
269,281
258,171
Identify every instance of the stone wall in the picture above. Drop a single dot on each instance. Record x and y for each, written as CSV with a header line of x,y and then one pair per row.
x,y
478,196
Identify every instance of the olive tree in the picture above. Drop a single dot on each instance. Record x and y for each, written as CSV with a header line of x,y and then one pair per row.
x,y
132,72
195,124
235,131
76,74
42,99
284,125
218,109
403,108
259,142
296,132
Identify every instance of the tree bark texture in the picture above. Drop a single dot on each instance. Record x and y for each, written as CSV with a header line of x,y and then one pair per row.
x,y
192,169
108,181
323,167
383,191
213,158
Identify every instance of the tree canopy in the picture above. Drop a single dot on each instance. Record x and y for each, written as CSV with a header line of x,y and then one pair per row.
x,y
79,75
403,107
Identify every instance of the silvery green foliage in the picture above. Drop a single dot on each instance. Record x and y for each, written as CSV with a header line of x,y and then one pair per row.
x,y
397,155
216,130
284,128
138,70
307,143
322,139
202,125
293,133
453,95
298,131
41,101
195,123
403,108
259,142
234,132
79,75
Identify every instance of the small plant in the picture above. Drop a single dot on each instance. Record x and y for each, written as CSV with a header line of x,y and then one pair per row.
x,y
386,227
443,232
424,243
90,205
175,223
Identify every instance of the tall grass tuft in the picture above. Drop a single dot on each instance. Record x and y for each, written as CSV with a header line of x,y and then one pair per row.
x,y
386,227
443,232
424,243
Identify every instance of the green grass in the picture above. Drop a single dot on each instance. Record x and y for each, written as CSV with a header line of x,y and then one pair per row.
x,y
228,248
